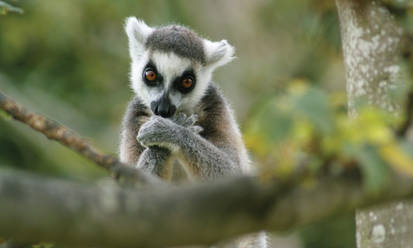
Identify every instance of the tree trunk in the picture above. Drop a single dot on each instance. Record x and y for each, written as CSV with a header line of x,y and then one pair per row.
x,y
371,41
388,226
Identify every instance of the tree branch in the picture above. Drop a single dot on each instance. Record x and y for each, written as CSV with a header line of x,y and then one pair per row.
x,y
408,122
5,7
34,209
55,131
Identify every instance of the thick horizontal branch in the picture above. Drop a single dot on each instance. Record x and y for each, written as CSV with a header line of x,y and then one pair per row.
x,y
34,209
56,131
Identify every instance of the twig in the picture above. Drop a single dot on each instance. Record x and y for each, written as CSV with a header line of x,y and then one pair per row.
x,y
56,131
5,7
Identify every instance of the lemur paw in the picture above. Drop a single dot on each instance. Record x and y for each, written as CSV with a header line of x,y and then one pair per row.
x,y
189,122
196,129
157,131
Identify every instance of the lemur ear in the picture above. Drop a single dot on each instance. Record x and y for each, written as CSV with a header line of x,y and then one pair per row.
x,y
218,53
137,32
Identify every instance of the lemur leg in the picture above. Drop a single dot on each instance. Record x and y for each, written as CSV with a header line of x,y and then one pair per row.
x,y
156,161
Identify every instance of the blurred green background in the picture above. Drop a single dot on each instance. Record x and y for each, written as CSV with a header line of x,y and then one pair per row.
x,y
69,61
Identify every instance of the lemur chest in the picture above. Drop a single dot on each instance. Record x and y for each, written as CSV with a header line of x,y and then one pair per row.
x,y
177,171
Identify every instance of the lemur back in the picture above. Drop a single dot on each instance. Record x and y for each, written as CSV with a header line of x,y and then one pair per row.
x,y
178,113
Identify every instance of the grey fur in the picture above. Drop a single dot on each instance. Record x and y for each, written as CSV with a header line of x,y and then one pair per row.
x,y
213,124
208,143
203,159
156,161
215,152
136,114
180,40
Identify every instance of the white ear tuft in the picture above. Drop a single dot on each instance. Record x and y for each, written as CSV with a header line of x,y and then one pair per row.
x,y
218,53
137,32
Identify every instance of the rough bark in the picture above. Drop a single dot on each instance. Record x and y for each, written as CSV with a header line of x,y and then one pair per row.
x,y
386,226
371,41
38,209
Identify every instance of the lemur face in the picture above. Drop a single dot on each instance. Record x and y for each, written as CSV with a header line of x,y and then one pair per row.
x,y
171,66
169,83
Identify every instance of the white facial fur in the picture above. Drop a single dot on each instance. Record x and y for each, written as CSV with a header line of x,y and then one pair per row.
x,y
218,53
137,32
170,65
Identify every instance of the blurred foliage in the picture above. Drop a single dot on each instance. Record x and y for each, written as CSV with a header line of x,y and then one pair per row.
x,y
68,60
306,126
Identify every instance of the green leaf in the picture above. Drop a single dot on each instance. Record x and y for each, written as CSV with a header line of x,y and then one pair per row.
x,y
4,115
278,126
314,106
374,169
273,122
407,147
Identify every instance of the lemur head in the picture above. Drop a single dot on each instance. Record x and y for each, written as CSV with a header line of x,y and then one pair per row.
x,y
172,66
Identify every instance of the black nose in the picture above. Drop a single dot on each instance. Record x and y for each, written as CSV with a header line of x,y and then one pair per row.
x,y
163,107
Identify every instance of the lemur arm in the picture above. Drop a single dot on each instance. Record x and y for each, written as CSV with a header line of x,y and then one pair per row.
x,y
130,149
153,159
203,158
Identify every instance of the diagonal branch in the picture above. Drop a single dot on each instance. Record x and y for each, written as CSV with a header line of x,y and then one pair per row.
x,y
56,131
5,7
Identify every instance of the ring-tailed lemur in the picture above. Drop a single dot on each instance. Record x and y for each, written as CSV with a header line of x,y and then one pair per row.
x,y
171,73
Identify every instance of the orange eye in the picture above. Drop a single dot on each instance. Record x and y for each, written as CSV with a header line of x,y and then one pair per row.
x,y
150,75
187,83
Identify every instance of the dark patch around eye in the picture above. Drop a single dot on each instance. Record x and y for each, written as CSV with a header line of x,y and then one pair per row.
x,y
148,69
180,86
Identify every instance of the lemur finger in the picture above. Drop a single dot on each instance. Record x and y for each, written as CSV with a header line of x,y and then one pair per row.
x,y
182,117
154,117
179,118
196,129
191,120
138,138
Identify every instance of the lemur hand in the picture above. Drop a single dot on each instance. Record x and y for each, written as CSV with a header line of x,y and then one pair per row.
x,y
189,122
165,132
